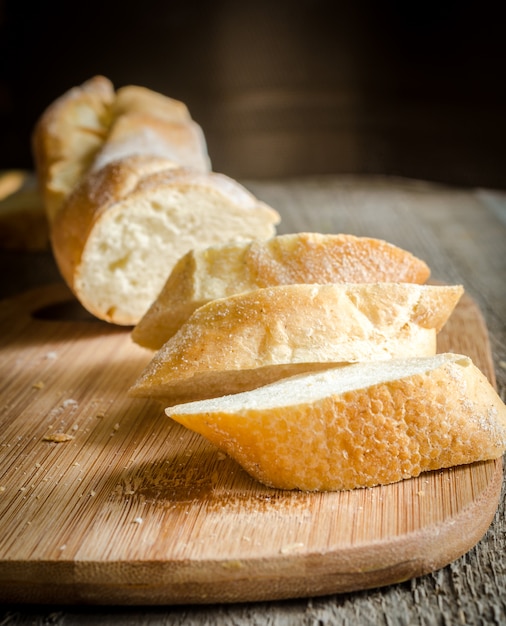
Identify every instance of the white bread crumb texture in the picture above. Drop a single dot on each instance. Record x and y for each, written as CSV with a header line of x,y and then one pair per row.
x,y
131,250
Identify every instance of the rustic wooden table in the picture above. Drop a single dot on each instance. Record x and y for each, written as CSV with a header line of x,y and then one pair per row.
x,y
461,233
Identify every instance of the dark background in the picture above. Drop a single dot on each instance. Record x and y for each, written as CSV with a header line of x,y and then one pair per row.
x,y
282,88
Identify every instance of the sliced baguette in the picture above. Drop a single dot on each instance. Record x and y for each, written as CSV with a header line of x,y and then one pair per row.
x,y
148,123
357,426
91,125
254,338
67,137
123,228
219,271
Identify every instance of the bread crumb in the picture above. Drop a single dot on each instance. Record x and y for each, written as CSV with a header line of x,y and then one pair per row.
x,y
38,385
51,356
138,520
93,493
58,437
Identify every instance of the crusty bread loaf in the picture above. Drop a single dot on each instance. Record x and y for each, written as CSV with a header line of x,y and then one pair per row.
x,y
23,222
357,426
91,125
147,123
123,228
254,338
67,136
219,271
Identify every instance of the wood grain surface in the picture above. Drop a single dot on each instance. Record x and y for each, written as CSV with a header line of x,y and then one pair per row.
x,y
106,500
461,233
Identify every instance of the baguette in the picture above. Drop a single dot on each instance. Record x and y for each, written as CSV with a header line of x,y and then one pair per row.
x,y
254,338
67,137
357,426
219,271
148,123
123,228
92,125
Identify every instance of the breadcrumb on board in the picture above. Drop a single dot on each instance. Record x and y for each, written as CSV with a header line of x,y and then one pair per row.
x,y
58,437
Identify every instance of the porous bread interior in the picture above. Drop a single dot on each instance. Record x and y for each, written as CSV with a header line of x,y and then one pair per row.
x,y
133,247
189,287
214,384
308,388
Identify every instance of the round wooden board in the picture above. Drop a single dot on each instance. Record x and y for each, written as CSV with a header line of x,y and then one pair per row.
x,y
134,509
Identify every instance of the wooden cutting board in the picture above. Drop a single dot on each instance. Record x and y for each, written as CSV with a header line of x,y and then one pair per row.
x,y
133,509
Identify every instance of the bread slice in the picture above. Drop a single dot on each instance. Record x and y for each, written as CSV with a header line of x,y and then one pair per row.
x,y
124,227
223,270
357,426
251,339
91,125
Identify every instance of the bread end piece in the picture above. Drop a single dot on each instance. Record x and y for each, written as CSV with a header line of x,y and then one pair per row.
x,y
357,426
124,227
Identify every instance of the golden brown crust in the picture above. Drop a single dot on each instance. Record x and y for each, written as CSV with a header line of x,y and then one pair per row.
x,y
96,194
346,259
137,99
250,339
221,271
91,125
131,196
203,275
67,136
378,434
140,133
